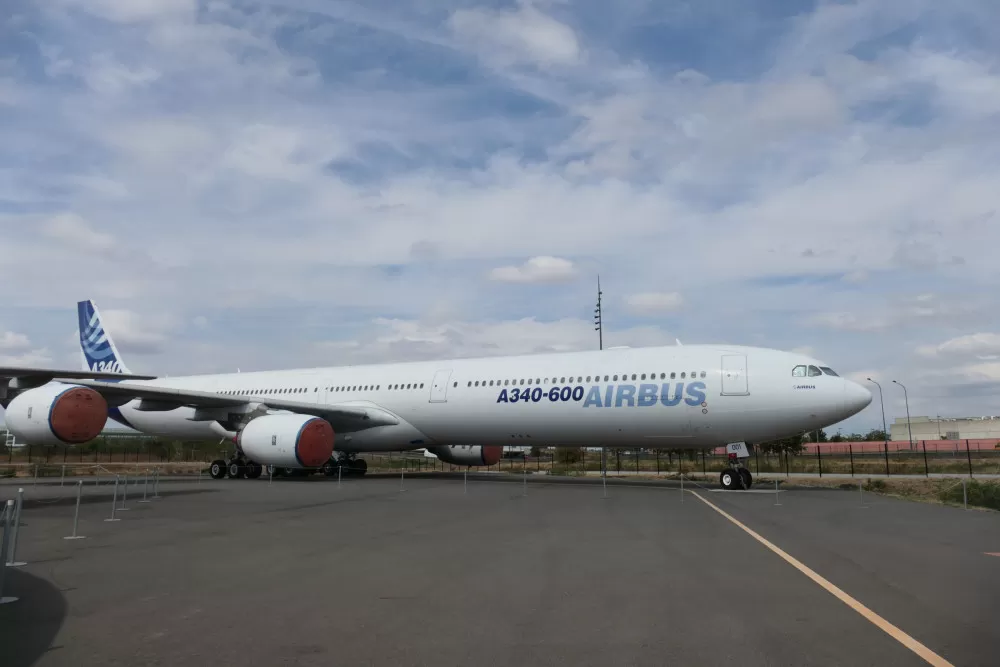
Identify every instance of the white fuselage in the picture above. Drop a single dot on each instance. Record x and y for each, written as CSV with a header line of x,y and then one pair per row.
x,y
666,397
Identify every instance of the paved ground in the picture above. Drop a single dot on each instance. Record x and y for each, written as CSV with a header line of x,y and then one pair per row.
x,y
304,573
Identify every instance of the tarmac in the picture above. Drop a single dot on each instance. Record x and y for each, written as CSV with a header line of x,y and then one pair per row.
x,y
306,572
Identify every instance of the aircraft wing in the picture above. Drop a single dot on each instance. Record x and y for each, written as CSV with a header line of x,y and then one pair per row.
x,y
27,378
343,418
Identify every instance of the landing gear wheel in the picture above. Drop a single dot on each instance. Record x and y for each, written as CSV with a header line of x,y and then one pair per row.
x,y
747,478
218,469
728,480
236,471
254,470
330,469
360,466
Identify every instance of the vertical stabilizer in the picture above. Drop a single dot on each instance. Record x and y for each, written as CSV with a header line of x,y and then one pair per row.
x,y
99,351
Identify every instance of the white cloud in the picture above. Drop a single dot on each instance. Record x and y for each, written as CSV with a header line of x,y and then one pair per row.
x,y
134,332
654,302
10,341
978,345
129,11
541,269
331,163
397,339
40,358
521,35
72,230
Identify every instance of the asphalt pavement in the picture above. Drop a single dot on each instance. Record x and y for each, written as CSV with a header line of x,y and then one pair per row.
x,y
306,572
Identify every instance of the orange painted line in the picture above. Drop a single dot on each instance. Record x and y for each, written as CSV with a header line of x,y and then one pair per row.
x,y
906,640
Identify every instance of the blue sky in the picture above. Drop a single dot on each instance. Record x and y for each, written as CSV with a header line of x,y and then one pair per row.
x,y
273,184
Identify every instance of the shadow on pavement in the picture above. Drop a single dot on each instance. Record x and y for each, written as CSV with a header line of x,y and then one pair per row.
x,y
28,626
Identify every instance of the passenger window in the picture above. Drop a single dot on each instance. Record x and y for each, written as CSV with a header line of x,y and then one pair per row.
x,y
683,375
703,374
477,383
522,380
616,378
643,377
799,372
470,383
813,371
529,380
633,376
562,380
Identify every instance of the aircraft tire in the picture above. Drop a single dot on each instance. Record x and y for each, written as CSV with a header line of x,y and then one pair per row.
x,y
254,470
360,466
217,469
728,480
330,469
237,471
747,478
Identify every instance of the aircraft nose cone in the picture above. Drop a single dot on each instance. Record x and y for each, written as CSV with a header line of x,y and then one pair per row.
x,y
856,397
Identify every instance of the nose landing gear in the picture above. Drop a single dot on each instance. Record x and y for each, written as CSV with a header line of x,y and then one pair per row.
x,y
736,476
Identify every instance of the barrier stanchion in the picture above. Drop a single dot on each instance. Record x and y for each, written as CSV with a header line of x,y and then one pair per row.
x,y
12,560
124,494
156,484
776,503
145,486
35,483
340,474
402,475
465,485
8,513
114,502
62,480
965,501
76,514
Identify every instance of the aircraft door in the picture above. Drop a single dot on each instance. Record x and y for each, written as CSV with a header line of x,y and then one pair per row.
x,y
439,386
734,375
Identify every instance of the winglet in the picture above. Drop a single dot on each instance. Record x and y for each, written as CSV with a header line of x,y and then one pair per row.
x,y
99,351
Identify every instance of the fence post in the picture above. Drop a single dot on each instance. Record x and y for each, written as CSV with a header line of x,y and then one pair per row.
x,y
927,471
7,516
703,469
968,455
965,496
11,557
114,502
850,450
76,514
886,447
756,454
658,461
62,480
819,457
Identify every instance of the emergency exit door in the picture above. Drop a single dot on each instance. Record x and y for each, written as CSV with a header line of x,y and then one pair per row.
x,y
734,375
439,386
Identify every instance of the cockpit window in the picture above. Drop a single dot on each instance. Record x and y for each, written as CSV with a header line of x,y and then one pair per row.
x,y
813,371
799,372
828,371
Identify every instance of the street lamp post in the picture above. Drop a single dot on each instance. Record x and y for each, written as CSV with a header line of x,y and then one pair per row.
x,y
885,433
906,398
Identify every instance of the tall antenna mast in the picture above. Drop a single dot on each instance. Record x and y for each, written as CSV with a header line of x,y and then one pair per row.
x,y
599,327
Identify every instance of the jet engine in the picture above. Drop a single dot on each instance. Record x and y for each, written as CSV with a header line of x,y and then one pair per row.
x,y
468,455
287,440
57,414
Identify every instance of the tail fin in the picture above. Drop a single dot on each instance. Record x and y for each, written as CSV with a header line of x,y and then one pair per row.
x,y
99,351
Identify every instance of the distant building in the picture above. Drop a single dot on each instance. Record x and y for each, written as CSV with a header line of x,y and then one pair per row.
x,y
946,428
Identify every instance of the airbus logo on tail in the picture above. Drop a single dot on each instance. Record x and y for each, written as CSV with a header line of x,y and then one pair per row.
x,y
106,366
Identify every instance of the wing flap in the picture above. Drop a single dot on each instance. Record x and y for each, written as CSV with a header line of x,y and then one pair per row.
x,y
343,418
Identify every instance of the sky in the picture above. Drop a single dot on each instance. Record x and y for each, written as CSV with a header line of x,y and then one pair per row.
x,y
263,185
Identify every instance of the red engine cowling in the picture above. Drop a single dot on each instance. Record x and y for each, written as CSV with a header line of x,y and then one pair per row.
x,y
287,440
57,414
468,455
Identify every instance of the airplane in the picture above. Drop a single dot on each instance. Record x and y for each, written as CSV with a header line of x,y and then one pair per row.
x,y
676,397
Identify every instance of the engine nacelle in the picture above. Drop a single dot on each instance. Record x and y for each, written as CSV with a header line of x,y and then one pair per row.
x,y
57,414
468,455
290,441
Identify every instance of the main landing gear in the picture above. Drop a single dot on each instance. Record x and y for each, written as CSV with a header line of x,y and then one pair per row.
x,y
237,468
736,476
